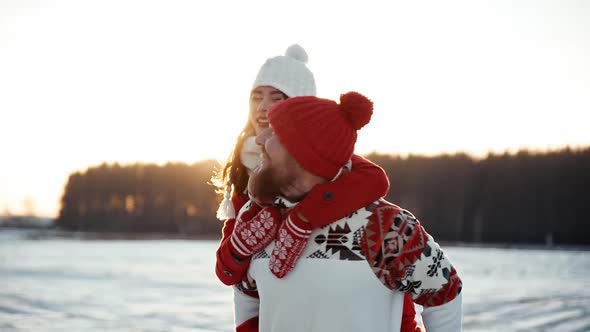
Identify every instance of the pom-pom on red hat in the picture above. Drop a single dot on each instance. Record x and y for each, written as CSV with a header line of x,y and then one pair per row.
x,y
320,133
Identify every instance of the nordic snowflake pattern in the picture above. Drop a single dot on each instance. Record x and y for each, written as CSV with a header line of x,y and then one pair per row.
x,y
257,228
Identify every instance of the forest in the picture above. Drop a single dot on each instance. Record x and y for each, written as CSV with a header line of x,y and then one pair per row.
x,y
521,198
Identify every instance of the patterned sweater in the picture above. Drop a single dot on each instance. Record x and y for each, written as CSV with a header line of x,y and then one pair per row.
x,y
324,204
352,276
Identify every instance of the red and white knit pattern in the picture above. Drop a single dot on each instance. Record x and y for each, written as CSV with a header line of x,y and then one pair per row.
x,y
405,257
293,236
252,235
348,293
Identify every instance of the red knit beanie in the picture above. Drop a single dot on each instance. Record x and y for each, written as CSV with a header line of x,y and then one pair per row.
x,y
319,133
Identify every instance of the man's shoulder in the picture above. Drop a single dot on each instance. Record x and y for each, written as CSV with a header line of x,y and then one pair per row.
x,y
382,204
385,209
381,216
387,220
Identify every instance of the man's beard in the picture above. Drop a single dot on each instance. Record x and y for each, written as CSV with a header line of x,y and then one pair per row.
x,y
264,185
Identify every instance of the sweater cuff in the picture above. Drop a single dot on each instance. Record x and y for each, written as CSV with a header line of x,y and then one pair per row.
x,y
295,217
251,325
232,267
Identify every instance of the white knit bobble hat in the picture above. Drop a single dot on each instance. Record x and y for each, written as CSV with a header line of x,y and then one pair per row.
x,y
288,73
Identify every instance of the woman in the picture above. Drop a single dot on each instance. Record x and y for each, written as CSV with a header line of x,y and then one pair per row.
x,y
279,78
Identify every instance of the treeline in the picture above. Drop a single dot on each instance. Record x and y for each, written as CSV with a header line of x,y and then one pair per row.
x,y
520,198
174,198
508,198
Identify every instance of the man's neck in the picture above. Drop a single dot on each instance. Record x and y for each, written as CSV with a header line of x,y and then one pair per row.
x,y
301,186
304,183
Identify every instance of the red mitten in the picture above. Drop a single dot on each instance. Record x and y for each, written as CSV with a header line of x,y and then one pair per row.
x,y
289,245
255,228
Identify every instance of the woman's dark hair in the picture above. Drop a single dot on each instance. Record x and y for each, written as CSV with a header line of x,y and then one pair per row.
x,y
234,172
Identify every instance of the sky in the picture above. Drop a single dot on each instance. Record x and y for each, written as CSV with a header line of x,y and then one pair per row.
x,y
86,82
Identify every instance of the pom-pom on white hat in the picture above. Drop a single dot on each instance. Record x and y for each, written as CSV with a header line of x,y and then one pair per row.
x,y
288,73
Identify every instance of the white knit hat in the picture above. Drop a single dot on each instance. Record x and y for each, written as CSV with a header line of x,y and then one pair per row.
x,y
288,73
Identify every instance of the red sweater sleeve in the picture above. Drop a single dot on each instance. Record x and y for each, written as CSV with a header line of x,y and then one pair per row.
x,y
251,325
229,270
413,263
330,201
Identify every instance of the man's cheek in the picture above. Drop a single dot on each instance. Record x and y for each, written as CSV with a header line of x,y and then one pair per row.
x,y
263,185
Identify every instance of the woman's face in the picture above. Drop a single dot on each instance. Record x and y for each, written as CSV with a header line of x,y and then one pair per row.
x,y
261,99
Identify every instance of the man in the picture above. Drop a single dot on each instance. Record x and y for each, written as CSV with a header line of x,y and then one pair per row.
x,y
353,273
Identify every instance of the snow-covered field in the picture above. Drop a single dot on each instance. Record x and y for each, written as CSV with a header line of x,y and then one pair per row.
x,y
58,284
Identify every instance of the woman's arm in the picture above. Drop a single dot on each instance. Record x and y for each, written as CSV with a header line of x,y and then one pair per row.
x,y
254,228
331,201
228,269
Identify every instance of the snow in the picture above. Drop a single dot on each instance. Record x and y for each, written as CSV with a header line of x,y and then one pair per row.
x,y
64,284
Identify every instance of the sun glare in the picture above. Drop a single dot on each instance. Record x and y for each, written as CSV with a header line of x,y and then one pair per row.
x,y
84,83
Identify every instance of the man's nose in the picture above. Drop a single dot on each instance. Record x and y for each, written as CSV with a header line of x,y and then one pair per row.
x,y
263,136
